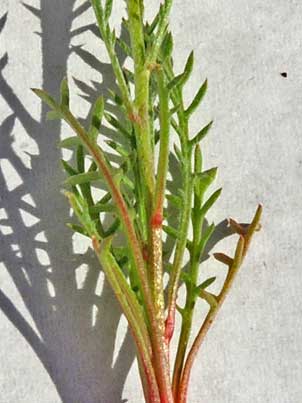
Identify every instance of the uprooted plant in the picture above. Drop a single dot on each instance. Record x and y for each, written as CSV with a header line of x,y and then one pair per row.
x,y
149,106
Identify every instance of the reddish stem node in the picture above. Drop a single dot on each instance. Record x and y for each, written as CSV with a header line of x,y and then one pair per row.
x,y
135,118
169,331
157,220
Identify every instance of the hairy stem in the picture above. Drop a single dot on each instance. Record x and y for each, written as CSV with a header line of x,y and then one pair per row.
x,y
140,115
146,164
185,213
188,311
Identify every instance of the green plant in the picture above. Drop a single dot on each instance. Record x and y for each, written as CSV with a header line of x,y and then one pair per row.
x,y
150,106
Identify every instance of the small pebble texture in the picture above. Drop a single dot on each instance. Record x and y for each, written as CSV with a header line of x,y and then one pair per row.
x,y
62,337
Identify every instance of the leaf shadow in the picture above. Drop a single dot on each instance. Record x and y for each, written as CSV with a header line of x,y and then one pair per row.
x,y
76,353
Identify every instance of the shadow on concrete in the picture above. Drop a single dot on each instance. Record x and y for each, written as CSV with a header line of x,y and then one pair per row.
x,y
76,352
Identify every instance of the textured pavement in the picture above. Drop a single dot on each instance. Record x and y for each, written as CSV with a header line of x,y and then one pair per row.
x,y
57,329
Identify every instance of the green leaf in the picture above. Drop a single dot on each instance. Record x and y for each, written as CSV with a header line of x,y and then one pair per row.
x,y
108,9
116,124
175,200
155,21
125,47
80,159
86,177
176,127
158,37
197,160
115,98
97,113
46,98
172,232
167,47
178,153
71,172
181,79
118,147
99,12
210,298
113,227
201,135
204,179
54,115
80,208
111,36
197,99
209,203
68,168
106,198
78,228
102,208
64,91
175,109
207,283
205,238
70,142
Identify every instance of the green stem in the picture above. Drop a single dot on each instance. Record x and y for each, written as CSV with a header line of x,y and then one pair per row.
x,y
134,315
163,161
183,386
109,43
186,210
161,30
140,115
188,311
157,214
124,294
234,266
146,163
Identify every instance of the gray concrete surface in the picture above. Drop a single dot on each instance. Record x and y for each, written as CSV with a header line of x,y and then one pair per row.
x,y
53,347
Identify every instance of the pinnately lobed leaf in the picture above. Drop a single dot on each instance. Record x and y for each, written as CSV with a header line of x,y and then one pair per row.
x,y
155,205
